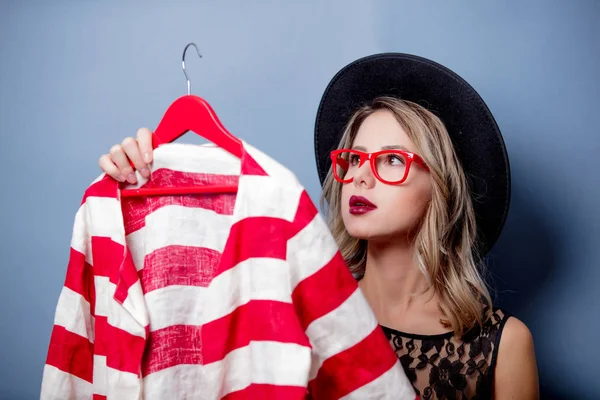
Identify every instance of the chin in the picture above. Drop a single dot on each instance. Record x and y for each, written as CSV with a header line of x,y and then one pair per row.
x,y
362,227
360,233
365,227
372,236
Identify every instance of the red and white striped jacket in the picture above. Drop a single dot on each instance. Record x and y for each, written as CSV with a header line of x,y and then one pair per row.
x,y
215,296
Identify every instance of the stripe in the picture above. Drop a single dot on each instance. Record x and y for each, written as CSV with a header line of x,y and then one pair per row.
x,y
123,385
136,209
272,199
393,384
123,350
101,330
114,261
270,363
170,176
255,321
305,213
80,237
117,348
249,164
179,265
79,276
207,158
259,237
128,316
123,288
108,256
310,250
102,186
271,392
253,279
73,314
100,177
109,382
100,377
104,218
175,345
354,367
323,291
104,294
195,344
60,385
123,316
137,248
189,160
177,225
97,222
353,317
136,306
71,353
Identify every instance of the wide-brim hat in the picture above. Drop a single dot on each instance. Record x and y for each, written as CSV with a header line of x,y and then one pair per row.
x,y
470,124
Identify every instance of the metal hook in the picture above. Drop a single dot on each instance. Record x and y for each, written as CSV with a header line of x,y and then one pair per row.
x,y
183,64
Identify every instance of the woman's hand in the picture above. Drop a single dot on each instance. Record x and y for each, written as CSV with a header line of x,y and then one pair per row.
x,y
139,151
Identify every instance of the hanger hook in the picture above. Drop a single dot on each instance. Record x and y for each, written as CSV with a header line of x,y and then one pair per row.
x,y
183,63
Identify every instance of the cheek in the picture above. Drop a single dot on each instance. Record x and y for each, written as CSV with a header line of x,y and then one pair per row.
x,y
399,209
404,208
344,200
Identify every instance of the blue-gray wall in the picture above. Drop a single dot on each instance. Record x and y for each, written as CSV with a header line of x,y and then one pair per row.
x,y
78,76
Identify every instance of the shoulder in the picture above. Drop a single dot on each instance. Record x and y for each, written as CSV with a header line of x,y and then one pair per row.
x,y
516,369
515,333
516,343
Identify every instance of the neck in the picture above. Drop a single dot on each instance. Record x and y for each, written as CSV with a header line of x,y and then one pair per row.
x,y
393,283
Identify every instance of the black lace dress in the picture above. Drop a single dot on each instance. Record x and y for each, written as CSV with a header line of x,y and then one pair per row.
x,y
448,367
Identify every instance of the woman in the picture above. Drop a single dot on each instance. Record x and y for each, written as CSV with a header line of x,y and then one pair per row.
x,y
416,196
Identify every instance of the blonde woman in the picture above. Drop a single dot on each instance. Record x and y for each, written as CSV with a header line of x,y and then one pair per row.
x,y
416,188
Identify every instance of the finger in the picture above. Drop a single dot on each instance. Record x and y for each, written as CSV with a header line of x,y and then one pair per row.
x,y
144,138
117,153
132,150
109,168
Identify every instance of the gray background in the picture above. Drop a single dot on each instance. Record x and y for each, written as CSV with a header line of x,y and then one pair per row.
x,y
76,77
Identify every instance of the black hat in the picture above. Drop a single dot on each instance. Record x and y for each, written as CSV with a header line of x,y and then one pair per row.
x,y
472,128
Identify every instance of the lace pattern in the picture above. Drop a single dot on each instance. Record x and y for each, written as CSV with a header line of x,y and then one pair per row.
x,y
448,367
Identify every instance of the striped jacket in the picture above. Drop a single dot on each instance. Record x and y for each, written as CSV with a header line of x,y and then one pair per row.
x,y
214,296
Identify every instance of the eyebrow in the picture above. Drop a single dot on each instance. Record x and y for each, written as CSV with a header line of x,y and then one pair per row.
x,y
392,147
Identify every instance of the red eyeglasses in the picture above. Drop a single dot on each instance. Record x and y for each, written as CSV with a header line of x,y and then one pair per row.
x,y
389,166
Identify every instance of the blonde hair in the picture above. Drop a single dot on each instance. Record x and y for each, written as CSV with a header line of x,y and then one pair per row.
x,y
445,241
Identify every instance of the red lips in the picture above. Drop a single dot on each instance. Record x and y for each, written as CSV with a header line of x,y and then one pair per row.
x,y
360,205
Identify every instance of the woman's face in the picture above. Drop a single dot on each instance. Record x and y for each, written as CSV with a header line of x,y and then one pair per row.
x,y
392,210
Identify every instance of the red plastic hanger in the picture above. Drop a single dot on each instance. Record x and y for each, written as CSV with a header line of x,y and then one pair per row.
x,y
190,113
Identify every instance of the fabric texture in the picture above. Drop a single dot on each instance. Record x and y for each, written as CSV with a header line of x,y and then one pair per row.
x,y
449,367
215,296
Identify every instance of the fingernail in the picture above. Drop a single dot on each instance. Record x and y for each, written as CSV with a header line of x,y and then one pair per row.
x,y
120,178
147,157
131,178
145,172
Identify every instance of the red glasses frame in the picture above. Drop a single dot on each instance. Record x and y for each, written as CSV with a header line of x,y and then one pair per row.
x,y
364,156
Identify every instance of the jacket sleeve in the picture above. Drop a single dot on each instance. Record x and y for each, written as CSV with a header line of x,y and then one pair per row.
x,y
351,357
69,365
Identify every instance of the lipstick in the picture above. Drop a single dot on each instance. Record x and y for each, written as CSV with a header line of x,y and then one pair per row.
x,y
360,205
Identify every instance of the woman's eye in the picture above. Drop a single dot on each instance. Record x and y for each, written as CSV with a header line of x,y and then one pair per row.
x,y
395,160
354,159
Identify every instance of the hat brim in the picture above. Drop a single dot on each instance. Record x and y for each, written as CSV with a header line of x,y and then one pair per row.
x,y
470,124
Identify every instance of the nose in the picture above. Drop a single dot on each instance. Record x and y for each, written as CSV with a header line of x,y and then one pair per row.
x,y
364,176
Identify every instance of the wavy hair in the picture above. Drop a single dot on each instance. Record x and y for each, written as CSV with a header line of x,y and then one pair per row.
x,y
445,241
